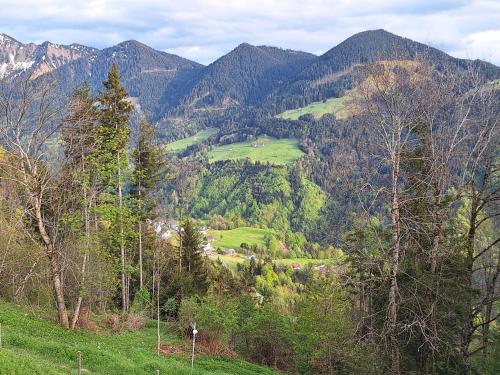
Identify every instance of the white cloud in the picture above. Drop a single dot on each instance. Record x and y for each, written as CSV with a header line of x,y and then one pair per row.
x,y
204,29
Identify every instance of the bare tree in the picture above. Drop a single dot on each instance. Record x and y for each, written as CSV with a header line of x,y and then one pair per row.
x,y
480,192
390,99
29,117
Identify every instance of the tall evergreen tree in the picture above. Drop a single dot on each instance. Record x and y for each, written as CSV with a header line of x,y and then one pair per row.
x,y
148,160
193,263
110,160
78,135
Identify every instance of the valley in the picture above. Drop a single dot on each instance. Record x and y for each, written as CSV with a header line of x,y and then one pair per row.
x,y
308,213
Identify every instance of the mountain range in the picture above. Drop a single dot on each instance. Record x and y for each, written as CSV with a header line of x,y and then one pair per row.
x,y
168,88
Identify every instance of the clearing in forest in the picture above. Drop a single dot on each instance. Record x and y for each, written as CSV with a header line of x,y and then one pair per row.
x,y
263,149
184,143
334,106
233,238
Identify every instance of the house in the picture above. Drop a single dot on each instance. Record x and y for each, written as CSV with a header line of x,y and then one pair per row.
x,y
207,249
166,235
230,252
321,268
210,238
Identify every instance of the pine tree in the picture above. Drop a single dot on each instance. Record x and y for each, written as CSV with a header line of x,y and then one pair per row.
x,y
148,160
110,160
192,261
78,135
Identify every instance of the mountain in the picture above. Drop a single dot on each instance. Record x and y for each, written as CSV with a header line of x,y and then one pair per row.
x,y
244,76
146,73
331,73
17,58
169,89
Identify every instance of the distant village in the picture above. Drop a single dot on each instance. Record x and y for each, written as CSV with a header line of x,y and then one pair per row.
x,y
168,228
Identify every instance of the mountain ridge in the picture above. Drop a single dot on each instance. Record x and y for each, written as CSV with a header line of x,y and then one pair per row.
x,y
168,86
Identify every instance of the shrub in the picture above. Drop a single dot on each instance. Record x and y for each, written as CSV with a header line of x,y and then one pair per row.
x,y
215,320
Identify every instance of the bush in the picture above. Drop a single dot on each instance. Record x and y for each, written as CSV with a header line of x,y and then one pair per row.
x,y
325,341
268,337
142,301
215,320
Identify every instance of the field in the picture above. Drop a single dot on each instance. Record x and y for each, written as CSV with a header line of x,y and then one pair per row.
x,y
233,238
230,261
264,149
36,346
318,109
181,144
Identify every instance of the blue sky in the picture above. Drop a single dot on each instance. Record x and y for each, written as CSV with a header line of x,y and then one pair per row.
x,y
203,30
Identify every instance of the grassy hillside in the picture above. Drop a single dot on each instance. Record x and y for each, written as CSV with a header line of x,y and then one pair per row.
x,y
264,149
181,144
318,109
230,261
36,346
235,237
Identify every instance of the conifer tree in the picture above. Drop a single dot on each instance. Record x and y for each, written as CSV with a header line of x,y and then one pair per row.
x,y
192,261
78,135
148,160
110,160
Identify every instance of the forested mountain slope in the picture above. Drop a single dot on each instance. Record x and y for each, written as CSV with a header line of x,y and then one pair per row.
x,y
170,88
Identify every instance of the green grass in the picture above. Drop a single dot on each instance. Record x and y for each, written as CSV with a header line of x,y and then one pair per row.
x,y
182,144
318,109
230,261
233,238
36,346
264,149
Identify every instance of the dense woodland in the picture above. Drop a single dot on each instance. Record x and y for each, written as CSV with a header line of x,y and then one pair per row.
x,y
402,197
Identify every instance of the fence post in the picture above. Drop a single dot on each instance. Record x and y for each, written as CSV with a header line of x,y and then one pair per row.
x,y
79,362
195,331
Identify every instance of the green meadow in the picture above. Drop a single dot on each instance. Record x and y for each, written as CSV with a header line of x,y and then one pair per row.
x,y
233,238
184,143
264,149
335,106
34,345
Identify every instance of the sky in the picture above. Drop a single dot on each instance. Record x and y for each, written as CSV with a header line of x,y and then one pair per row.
x,y
204,30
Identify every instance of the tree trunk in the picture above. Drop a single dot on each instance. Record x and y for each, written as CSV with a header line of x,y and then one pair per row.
x,y
122,241
394,267
141,283
54,266
76,314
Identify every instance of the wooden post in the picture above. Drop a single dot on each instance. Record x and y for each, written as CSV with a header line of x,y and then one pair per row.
x,y
79,362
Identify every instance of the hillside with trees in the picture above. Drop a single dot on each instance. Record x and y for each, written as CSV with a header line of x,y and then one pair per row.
x,y
373,250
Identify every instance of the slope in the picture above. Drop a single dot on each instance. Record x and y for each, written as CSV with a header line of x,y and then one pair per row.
x,y
36,346
244,76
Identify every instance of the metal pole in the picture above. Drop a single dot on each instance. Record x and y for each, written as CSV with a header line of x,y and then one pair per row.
x,y
194,341
79,361
158,338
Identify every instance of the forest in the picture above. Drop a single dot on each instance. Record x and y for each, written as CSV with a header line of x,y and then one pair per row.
x,y
381,254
